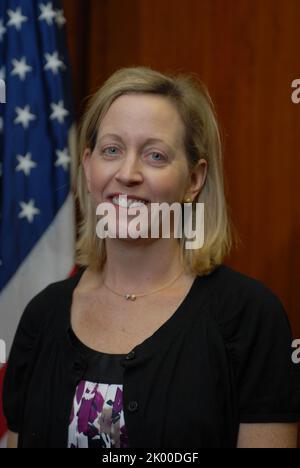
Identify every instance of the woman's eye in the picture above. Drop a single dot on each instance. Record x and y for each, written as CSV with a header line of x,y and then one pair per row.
x,y
110,150
158,157
113,151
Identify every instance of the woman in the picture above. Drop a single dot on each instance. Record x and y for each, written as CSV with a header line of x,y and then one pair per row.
x,y
151,344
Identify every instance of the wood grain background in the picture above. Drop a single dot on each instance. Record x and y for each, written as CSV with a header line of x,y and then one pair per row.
x,y
247,52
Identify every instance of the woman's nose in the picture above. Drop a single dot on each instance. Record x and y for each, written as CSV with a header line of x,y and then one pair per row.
x,y
130,171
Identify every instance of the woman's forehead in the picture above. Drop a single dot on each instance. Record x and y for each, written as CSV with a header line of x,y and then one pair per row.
x,y
151,116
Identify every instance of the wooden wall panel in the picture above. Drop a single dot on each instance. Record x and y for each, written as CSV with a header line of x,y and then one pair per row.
x,y
246,52
77,15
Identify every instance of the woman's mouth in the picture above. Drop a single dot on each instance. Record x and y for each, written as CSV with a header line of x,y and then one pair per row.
x,y
127,202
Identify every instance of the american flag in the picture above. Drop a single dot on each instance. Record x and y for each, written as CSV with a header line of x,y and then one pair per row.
x,y
36,128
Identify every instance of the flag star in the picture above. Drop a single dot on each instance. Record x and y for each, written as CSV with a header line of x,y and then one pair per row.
x,y
24,116
2,30
16,18
20,68
25,164
47,13
63,159
60,19
59,112
2,73
29,211
53,62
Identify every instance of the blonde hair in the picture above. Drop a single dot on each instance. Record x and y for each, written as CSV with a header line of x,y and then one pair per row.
x,y
202,140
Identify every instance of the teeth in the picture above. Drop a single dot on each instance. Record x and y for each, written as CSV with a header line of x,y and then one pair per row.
x,y
121,201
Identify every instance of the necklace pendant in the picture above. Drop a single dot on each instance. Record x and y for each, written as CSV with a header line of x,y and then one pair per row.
x,y
130,297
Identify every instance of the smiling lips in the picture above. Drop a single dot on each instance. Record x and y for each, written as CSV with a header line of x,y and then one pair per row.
x,y
127,201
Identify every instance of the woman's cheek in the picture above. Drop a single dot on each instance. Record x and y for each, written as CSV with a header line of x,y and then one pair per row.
x,y
97,176
171,192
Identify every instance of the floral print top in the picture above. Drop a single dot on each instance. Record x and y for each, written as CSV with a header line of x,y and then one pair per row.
x,y
97,417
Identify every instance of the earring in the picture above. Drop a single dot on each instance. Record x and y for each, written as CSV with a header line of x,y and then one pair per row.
x,y
187,200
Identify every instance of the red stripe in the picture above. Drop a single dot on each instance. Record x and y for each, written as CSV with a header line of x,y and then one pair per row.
x,y
74,271
3,427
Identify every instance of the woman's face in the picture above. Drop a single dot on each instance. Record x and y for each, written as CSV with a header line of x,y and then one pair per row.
x,y
140,151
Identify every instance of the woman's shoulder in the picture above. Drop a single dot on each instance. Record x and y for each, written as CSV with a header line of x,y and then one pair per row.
x,y
54,299
64,287
239,297
234,281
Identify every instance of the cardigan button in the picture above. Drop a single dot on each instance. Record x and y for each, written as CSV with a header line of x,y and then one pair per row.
x,y
131,355
127,358
79,366
132,406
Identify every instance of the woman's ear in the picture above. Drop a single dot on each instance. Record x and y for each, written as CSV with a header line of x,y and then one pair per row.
x,y
86,163
197,178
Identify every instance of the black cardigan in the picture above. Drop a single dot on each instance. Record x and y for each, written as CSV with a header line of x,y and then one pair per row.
x,y
223,358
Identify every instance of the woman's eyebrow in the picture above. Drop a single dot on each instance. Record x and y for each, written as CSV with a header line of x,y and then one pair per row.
x,y
159,140
110,135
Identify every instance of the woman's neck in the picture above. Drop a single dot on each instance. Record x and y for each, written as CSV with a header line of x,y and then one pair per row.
x,y
143,264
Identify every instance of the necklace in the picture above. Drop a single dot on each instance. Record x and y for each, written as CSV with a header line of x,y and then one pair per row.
x,y
133,297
